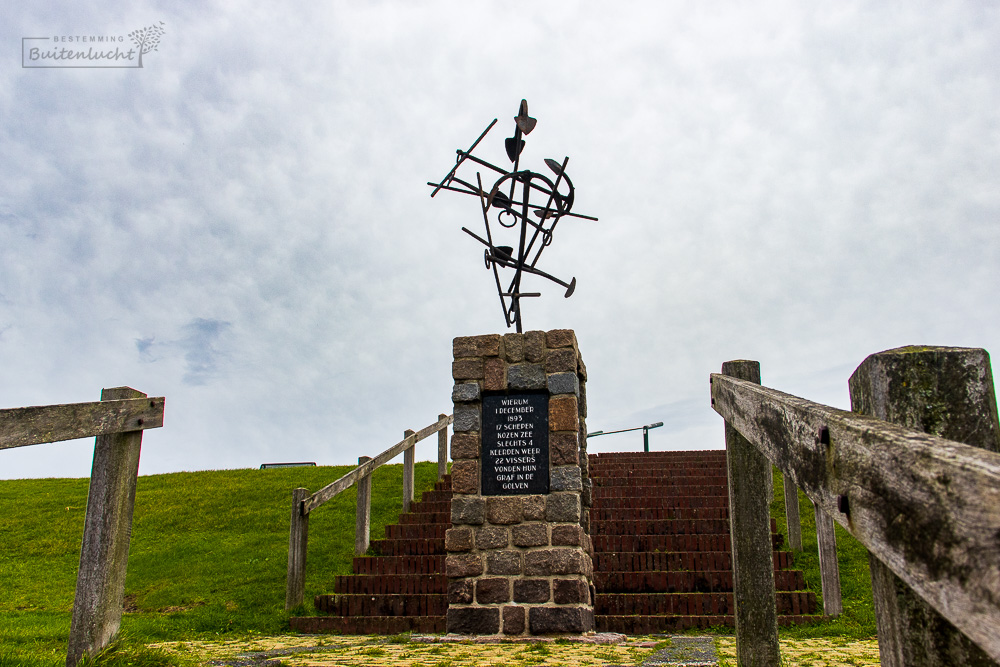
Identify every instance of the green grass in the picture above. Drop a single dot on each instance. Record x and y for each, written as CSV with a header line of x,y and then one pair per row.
x,y
208,555
858,618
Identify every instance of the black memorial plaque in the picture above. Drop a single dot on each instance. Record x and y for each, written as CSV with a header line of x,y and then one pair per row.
x,y
515,455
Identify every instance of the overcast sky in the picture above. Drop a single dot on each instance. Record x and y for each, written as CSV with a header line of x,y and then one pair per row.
x,y
243,225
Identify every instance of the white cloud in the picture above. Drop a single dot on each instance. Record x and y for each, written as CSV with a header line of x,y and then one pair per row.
x,y
243,225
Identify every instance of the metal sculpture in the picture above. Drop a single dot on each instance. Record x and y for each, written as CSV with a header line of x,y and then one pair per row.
x,y
510,198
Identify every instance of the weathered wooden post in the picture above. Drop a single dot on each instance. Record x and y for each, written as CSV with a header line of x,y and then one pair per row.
x,y
947,392
792,514
100,583
408,471
829,568
363,514
442,450
298,542
750,521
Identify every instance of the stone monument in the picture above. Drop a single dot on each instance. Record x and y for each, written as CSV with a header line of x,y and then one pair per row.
x,y
519,553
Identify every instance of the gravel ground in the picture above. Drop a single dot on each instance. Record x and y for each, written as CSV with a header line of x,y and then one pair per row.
x,y
601,650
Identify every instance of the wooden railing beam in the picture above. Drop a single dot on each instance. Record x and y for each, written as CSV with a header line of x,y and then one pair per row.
x,y
363,511
408,473
947,391
20,427
753,566
298,546
884,485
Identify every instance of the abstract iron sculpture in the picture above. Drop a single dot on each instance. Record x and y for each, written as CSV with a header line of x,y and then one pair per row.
x,y
510,197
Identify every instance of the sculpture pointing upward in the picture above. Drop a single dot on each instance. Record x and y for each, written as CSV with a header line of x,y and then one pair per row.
x,y
531,223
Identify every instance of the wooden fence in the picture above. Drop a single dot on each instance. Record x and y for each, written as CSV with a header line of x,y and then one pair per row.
x,y
303,503
118,421
926,506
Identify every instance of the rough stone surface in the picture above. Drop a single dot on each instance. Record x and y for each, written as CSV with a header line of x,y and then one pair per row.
x,y
467,369
570,591
530,535
492,537
560,338
468,510
505,510
581,369
467,417
531,590
564,448
560,508
587,496
495,372
463,565
547,562
458,539
583,404
564,383
526,376
493,590
503,562
567,535
534,346
548,620
465,446
465,476
534,508
561,361
563,478
513,620
514,345
465,392
563,414
460,591
489,345
474,620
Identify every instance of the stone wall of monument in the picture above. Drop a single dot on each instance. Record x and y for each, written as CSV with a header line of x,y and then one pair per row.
x,y
519,552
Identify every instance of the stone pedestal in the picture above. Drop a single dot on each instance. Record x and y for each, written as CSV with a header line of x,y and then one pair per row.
x,y
519,550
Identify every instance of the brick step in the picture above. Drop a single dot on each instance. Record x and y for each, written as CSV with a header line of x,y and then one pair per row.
x,y
626,526
416,532
436,496
694,604
656,561
371,625
703,542
680,467
428,604
640,491
659,513
660,481
652,476
426,518
432,506
660,501
645,625
702,581
395,584
709,457
408,564
408,547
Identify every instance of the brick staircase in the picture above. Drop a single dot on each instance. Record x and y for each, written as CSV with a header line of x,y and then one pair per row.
x,y
403,588
662,556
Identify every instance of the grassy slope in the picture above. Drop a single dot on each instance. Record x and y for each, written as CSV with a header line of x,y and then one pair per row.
x,y
208,553
858,619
